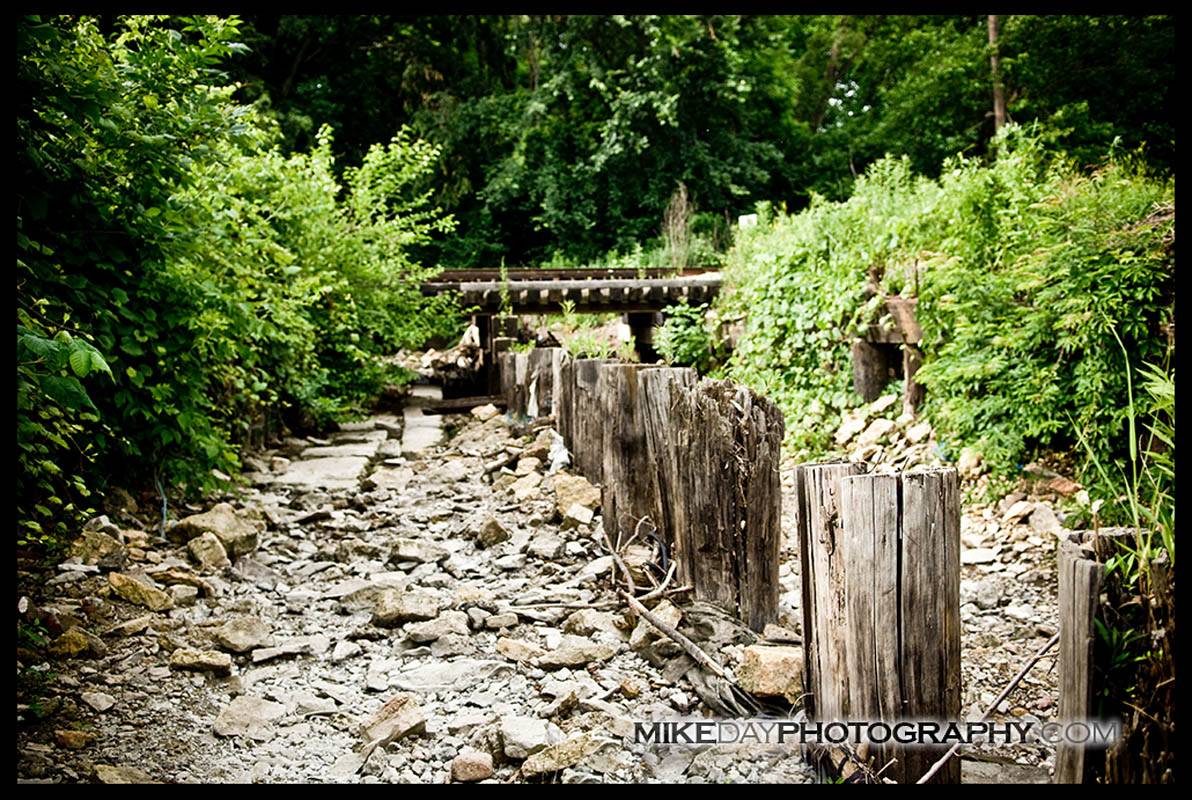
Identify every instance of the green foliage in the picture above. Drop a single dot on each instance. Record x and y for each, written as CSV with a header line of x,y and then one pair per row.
x,y
567,134
1027,269
799,283
683,339
166,242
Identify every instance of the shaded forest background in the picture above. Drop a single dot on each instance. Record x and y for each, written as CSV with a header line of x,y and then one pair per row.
x,y
562,137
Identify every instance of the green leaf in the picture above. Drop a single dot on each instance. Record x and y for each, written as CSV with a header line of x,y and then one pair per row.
x,y
80,362
67,392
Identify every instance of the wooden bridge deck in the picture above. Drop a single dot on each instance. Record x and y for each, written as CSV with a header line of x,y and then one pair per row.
x,y
590,291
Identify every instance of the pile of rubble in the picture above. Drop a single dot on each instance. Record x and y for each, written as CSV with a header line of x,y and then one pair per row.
x,y
371,613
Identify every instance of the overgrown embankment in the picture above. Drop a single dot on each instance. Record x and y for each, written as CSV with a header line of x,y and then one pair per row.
x,y
1043,288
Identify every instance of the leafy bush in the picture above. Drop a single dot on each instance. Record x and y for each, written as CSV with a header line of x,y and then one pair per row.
x,y
1026,270
683,339
165,241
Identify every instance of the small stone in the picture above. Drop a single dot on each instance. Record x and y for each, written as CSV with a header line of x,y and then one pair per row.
x,y
1044,520
852,424
575,651
208,551
94,545
526,487
517,650
970,462
1021,613
588,621
477,616
399,717
453,644
134,591
630,688
491,533
303,645
577,516
882,403
978,555
190,660
1017,511
498,621
417,550
987,594
527,465
522,736
559,756
345,650
249,716
877,430
395,607
485,412
918,433
772,671
546,545
646,634
73,740
131,627
184,596
238,535
471,766
1063,486
78,643
446,623
99,701
572,490
121,775
243,634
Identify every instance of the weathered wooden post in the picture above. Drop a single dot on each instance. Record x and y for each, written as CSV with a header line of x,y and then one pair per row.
x,y
1091,596
881,613
543,364
721,482
636,403
1079,587
581,416
626,493
822,569
514,386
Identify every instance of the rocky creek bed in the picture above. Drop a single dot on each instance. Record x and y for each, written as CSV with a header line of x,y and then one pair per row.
x,y
393,605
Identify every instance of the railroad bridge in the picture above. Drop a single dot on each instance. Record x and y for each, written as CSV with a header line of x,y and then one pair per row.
x,y
640,295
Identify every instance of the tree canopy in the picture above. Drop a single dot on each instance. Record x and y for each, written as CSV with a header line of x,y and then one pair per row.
x,y
566,135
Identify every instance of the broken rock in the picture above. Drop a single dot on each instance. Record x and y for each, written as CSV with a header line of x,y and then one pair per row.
x,y
209,551
395,607
575,651
191,660
142,594
772,671
572,490
249,716
237,534
399,717
243,634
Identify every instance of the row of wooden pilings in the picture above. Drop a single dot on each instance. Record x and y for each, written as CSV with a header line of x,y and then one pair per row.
x,y
697,464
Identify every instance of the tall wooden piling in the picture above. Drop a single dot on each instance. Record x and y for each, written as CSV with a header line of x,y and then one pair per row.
x,y
726,514
581,415
627,487
1079,587
881,611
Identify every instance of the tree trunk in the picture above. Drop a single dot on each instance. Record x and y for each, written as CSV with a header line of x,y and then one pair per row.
x,y
999,95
